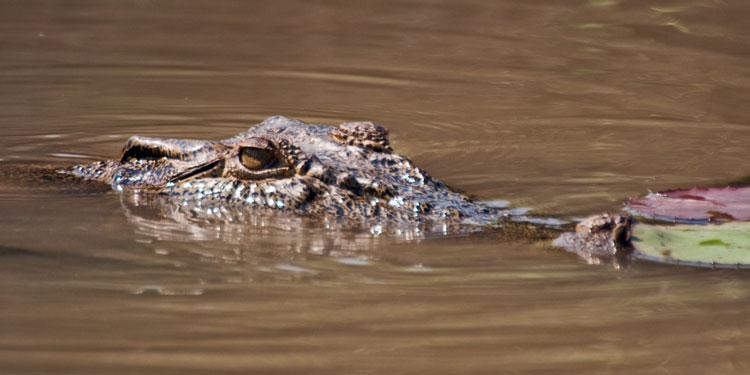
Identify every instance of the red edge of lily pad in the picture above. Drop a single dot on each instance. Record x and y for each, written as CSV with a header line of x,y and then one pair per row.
x,y
694,206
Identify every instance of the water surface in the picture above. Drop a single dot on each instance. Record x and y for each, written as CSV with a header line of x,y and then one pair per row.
x,y
566,107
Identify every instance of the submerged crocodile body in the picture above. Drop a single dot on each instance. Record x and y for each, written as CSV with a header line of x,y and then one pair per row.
x,y
348,172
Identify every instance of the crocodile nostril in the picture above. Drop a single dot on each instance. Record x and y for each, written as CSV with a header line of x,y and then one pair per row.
x,y
145,148
143,152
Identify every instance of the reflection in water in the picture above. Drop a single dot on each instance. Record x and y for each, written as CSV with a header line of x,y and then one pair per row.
x,y
163,222
159,220
565,107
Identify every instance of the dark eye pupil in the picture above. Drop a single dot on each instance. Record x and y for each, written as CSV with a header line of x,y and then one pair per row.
x,y
255,158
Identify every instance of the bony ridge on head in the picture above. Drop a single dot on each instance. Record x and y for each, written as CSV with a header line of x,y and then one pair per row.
x,y
363,134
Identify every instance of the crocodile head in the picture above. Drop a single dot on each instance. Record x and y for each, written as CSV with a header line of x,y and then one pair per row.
x,y
284,164
346,172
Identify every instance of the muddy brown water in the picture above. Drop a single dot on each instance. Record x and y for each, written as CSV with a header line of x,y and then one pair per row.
x,y
566,107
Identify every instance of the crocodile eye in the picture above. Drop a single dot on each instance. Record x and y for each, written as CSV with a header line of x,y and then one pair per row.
x,y
254,158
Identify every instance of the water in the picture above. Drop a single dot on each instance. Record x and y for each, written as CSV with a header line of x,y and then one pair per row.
x,y
567,107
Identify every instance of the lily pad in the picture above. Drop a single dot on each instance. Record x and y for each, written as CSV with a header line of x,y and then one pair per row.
x,y
694,206
723,246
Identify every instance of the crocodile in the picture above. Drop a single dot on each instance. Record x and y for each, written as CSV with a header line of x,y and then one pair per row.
x,y
346,173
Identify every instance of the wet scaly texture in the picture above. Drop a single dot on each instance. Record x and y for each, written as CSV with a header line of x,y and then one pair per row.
x,y
347,172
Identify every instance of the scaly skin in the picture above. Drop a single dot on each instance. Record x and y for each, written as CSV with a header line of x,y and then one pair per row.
x,y
347,172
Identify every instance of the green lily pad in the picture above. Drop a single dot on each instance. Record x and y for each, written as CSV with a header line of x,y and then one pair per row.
x,y
723,246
